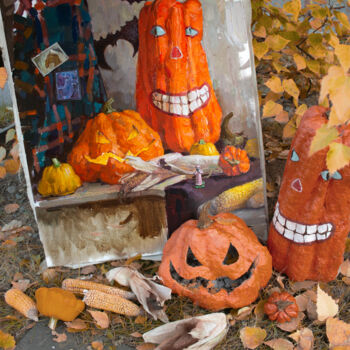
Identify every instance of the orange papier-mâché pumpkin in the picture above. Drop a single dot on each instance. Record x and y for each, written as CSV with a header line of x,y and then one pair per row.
x,y
311,221
219,266
174,92
100,151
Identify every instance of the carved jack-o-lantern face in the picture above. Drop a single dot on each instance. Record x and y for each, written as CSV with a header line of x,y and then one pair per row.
x,y
221,266
99,153
174,91
311,220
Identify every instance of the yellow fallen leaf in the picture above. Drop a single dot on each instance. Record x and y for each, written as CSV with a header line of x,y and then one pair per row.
x,y
324,136
345,268
260,49
271,109
279,344
12,166
314,66
276,42
97,345
325,305
252,337
282,117
293,7
343,54
291,88
275,84
101,318
260,32
337,157
343,19
7,341
338,333
299,61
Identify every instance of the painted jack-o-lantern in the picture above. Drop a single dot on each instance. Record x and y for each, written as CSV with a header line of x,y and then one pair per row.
x,y
311,220
100,151
174,92
220,266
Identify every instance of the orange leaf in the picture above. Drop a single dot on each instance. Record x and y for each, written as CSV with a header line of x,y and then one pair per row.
x,y
101,318
76,325
11,208
345,268
338,333
7,341
274,84
299,61
260,32
271,109
252,337
282,117
12,166
146,346
279,344
337,157
59,337
97,345
2,172
3,77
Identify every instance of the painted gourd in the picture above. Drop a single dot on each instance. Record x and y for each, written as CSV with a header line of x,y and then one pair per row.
x,y
219,266
58,179
204,148
174,92
311,220
234,161
281,307
100,151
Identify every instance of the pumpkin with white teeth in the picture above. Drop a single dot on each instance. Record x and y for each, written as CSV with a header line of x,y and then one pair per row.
x,y
174,92
311,221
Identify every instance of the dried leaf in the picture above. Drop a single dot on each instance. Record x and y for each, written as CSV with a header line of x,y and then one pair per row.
x,y
302,301
97,345
49,275
136,335
12,225
146,346
14,152
282,117
59,337
22,285
260,49
276,42
10,135
291,88
259,309
244,313
346,280
274,84
279,344
299,61
7,341
3,77
2,153
293,324
279,280
293,7
140,319
76,325
12,166
338,156
299,286
326,306
150,295
324,136
271,109
304,338
343,54
260,32
11,208
2,172
338,333
88,269
252,337
101,318
345,268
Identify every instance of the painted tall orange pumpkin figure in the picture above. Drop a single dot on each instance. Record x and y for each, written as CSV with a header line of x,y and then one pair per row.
x,y
174,92
311,220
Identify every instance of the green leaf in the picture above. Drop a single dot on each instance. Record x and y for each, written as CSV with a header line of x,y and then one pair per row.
x,y
324,136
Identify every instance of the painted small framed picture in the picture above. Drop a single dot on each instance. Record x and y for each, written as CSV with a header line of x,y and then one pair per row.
x,y
49,59
68,85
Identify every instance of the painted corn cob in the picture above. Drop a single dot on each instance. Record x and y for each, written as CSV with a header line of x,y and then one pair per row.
x,y
108,302
78,286
22,303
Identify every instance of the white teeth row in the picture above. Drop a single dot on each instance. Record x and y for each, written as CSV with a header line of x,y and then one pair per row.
x,y
300,233
181,105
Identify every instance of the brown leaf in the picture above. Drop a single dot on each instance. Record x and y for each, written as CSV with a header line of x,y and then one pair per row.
x,y
346,280
136,335
302,301
22,285
338,333
244,313
304,338
140,319
9,243
49,275
259,309
59,337
279,344
76,325
146,346
325,306
345,268
305,285
7,341
292,325
17,276
101,318
133,259
12,225
97,345
252,337
88,269
11,208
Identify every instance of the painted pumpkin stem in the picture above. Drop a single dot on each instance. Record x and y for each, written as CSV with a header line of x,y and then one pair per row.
x,y
56,162
201,142
232,162
204,220
107,107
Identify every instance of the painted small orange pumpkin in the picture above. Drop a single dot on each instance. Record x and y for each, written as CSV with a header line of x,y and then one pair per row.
x,y
218,266
100,151
174,91
234,161
281,307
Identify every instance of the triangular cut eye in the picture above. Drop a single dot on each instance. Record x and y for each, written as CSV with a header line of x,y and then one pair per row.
x,y
294,157
191,259
231,256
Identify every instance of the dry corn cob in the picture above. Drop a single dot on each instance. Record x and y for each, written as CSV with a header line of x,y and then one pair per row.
x,y
78,286
235,197
22,303
108,302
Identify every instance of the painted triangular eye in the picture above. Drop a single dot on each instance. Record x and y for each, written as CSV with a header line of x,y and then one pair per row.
x,y
336,176
191,259
191,32
294,157
325,175
158,31
231,256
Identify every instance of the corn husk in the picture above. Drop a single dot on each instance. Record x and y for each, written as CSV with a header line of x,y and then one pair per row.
x,y
202,332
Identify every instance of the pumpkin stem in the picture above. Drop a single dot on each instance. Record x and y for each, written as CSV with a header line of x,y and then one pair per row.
x,y
53,323
201,142
56,162
107,107
232,162
204,220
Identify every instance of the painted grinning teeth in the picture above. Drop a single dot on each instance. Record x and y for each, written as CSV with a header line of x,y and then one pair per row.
x,y
182,105
300,233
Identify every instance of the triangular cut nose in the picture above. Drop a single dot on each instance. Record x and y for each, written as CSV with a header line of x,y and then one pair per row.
x,y
297,186
176,53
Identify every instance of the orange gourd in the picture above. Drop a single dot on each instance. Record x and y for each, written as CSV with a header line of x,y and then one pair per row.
x,y
311,221
218,266
281,307
234,161
100,151
174,92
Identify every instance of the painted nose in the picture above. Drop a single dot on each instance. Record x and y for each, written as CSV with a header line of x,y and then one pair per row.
x,y
297,186
176,53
